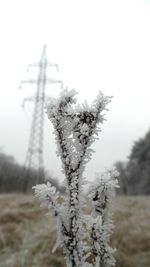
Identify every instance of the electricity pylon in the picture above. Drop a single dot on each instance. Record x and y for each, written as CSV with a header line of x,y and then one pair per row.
x,y
34,157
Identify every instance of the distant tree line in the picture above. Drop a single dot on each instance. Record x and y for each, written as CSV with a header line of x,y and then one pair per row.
x,y
134,176
15,178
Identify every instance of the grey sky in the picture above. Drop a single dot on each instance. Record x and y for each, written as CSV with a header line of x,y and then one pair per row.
x,y
99,45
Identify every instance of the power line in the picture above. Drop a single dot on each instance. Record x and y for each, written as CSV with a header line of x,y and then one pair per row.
x,y
34,157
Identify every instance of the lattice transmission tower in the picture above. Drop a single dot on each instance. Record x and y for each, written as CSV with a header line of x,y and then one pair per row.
x,y
34,157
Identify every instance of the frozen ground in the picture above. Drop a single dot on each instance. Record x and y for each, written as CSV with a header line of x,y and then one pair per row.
x,y
27,235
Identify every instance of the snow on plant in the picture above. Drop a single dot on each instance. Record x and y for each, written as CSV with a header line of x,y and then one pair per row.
x,y
76,128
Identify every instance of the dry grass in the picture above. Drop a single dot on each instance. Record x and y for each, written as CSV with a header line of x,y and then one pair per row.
x,y
27,235
132,233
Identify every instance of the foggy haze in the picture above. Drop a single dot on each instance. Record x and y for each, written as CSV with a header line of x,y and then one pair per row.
x,y
98,45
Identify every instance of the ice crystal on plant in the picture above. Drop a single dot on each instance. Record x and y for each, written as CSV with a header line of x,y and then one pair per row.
x,y
102,195
75,129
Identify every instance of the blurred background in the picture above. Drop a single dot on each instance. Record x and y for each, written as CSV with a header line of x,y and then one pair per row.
x,y
98,45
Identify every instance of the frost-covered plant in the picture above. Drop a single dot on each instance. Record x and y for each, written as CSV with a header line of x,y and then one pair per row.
x,y
76,128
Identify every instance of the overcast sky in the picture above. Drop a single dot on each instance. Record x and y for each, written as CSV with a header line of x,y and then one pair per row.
x,y
99,45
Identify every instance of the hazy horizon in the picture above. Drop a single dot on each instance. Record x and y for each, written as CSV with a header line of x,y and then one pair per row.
x,y
98,46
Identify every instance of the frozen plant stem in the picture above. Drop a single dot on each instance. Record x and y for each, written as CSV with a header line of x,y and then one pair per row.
x,y
75,129
102,195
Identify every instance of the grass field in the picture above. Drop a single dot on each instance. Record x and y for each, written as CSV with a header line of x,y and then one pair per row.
x,y
27,235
